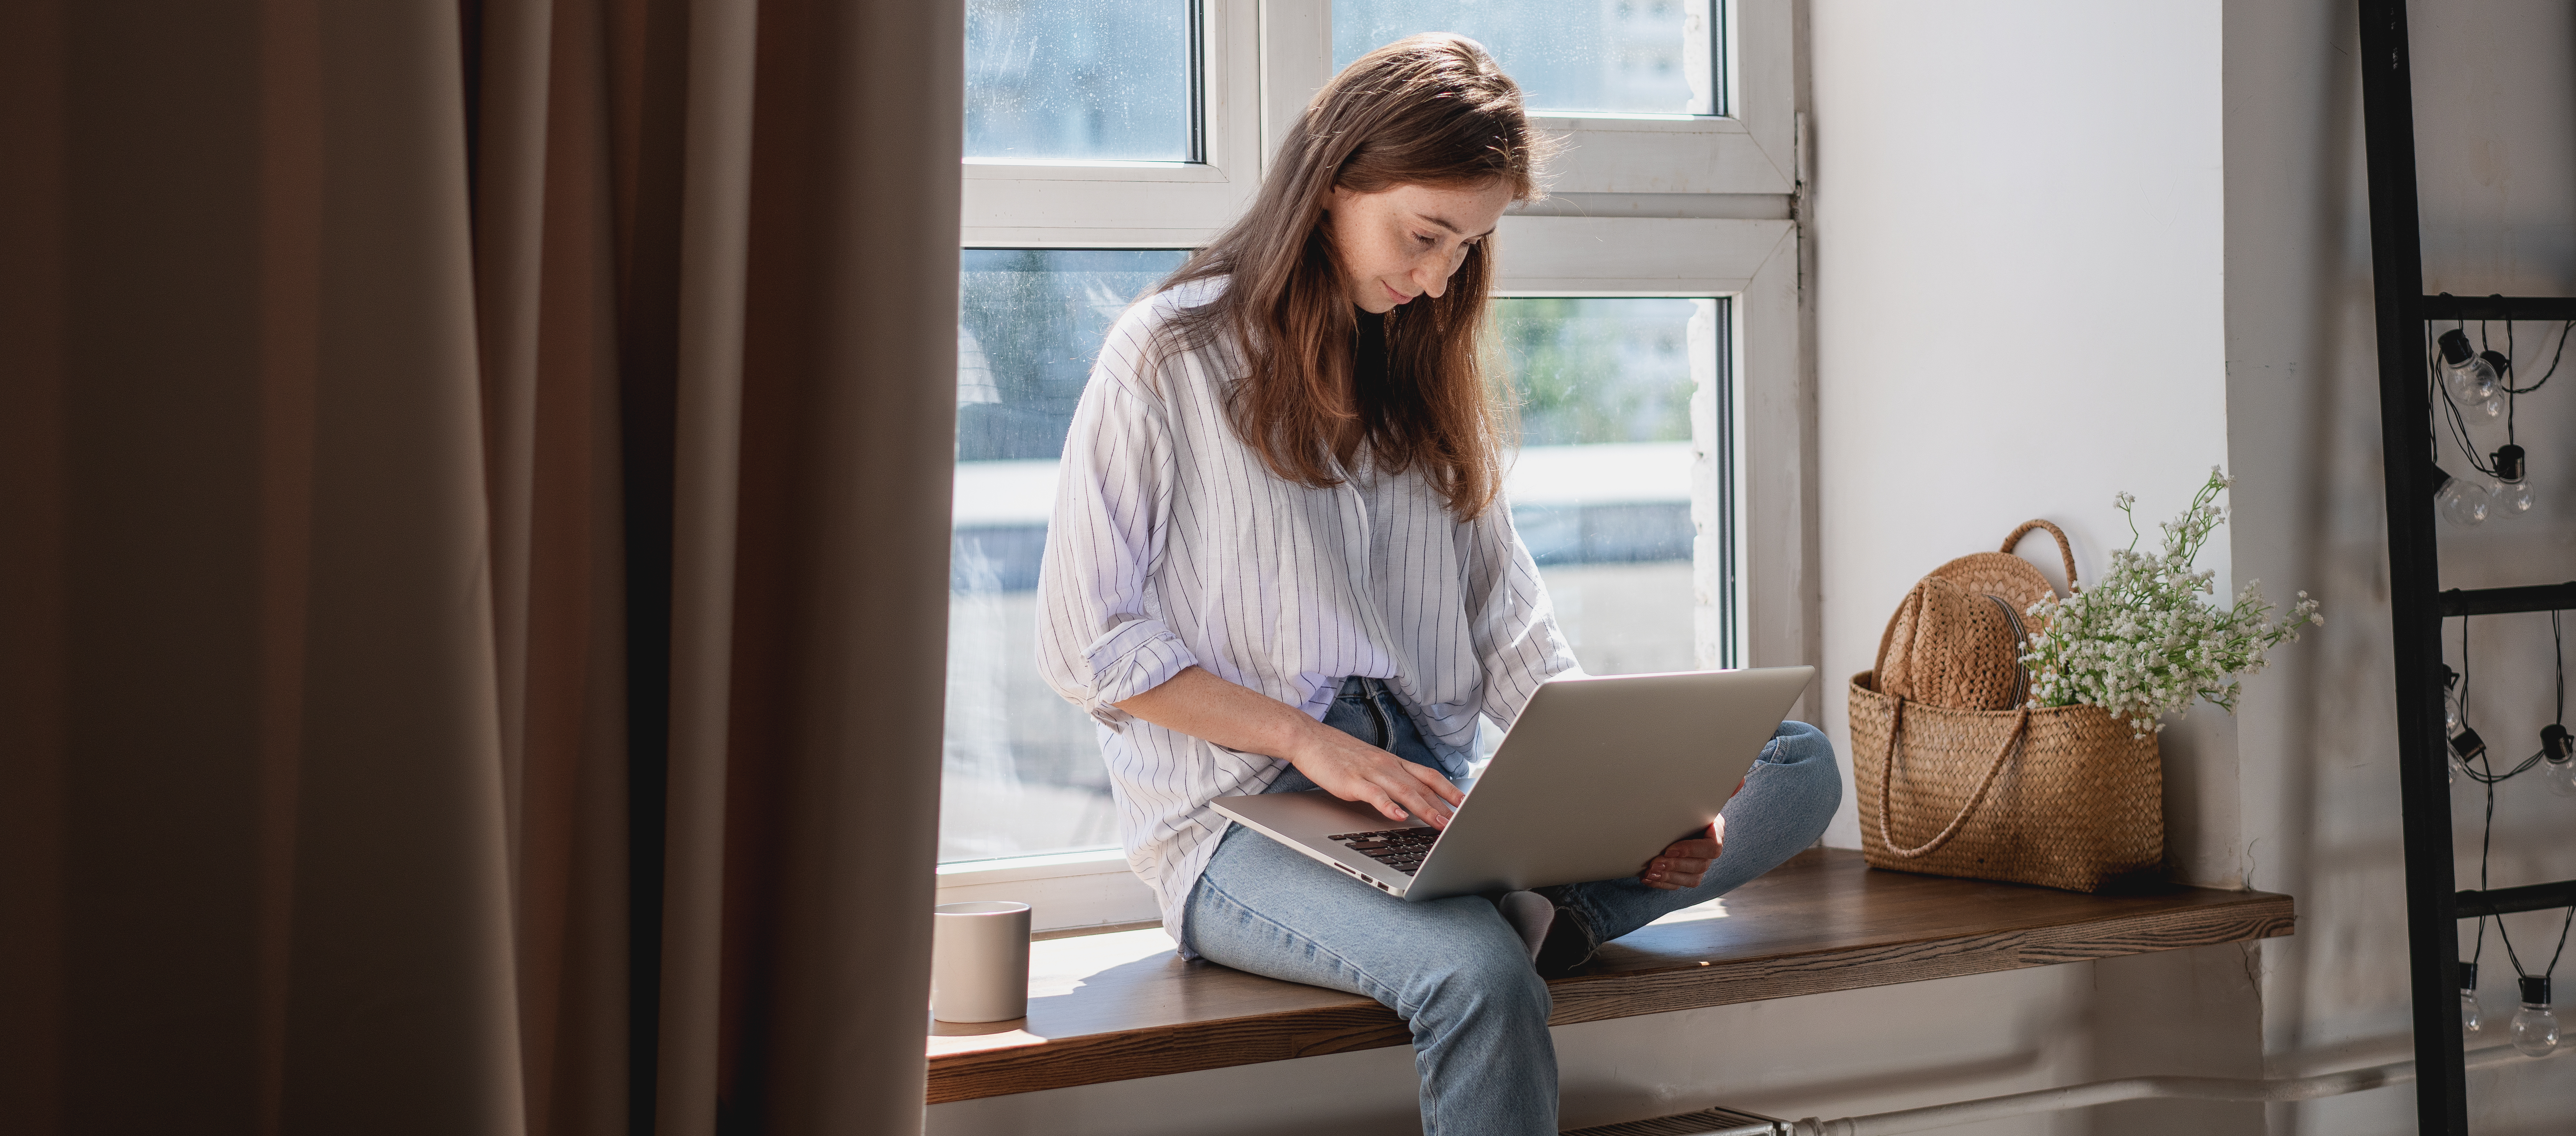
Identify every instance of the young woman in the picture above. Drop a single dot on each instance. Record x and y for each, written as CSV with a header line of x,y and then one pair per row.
x,y
1279,561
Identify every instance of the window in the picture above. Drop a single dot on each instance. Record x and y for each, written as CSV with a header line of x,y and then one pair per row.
x,y
1602,487
1616,56
1647,315
1021,767
1082,79
1109,123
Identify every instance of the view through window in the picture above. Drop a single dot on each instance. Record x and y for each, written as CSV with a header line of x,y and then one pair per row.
x,y
1023,773
1613,56
1082,80
1601,486
1600,489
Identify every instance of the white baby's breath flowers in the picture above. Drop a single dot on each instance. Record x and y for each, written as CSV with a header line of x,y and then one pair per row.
x,y
2142,643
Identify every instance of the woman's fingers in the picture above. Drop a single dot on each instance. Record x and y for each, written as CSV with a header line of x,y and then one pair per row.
x,y
1682,864
1362,789
1441,785
1393,794
1419,791
1364,774
1669,872
1421,803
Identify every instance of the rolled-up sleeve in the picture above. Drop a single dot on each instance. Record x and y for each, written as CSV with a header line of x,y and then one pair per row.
x,y
1099,641
1510,624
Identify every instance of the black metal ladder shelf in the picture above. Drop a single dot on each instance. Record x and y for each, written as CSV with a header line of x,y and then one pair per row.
x,y
2507,601
2417,606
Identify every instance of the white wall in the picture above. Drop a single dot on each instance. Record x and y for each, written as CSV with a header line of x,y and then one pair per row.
x,y
2019,310
2020,298
2495,94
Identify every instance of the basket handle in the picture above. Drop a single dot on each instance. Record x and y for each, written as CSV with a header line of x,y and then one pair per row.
x,y
1887,777
2021,642
2065,551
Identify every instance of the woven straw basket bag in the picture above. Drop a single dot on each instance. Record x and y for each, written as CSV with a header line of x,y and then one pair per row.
x,y
1958,777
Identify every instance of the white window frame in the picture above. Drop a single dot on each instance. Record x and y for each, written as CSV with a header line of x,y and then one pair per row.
x,y
1069,204
1645,205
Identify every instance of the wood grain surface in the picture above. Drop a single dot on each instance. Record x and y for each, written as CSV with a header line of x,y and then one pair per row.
x,y
1112,1007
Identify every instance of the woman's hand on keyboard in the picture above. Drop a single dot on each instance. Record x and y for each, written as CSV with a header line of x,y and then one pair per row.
x,y
1202,705
1354,770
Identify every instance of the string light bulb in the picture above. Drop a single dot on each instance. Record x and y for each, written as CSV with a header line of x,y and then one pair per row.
x,y
2466,746
2558,760
2463,501
2470,377
2470,1019
2451,716
2535,1028
2512,469
2493,404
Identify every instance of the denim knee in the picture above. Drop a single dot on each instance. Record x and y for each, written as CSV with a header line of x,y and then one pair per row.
x,y
1480,1040
1797,743
1801,755
1486,987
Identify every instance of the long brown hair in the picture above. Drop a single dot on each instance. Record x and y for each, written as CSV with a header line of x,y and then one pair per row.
x,y
1425,110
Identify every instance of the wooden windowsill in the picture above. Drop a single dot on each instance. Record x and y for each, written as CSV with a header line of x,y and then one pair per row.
x,y
1112,1007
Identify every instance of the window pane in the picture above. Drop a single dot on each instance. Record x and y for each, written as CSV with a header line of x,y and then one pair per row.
x,y
1621,56
1023,772
1080,79
1601,489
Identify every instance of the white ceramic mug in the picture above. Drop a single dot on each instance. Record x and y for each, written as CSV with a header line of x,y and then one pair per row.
x,y
979,961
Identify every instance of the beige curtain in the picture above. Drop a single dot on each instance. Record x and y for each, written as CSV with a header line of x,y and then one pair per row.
x,y
473,497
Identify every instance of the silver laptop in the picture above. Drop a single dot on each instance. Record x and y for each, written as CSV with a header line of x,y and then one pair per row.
x,y
1597,777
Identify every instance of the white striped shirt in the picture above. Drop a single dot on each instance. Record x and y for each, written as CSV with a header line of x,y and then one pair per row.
x,y
1172,544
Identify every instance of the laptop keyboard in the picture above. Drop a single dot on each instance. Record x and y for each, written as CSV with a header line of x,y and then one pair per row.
x,y
1399,848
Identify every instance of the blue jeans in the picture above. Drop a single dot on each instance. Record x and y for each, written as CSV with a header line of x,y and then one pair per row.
x,y
1452,968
